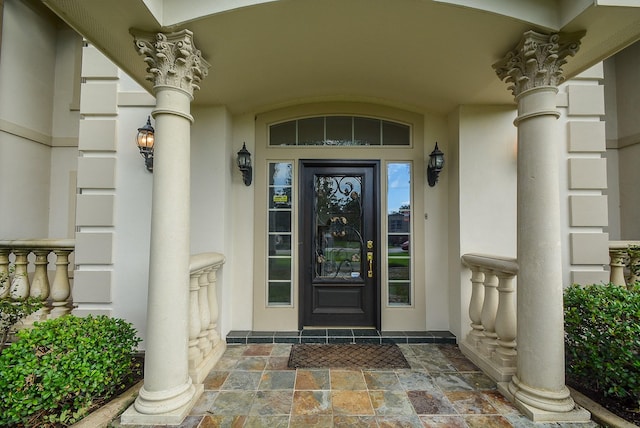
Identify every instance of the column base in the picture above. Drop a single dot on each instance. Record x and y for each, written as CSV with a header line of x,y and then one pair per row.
x,y
174,417
566,410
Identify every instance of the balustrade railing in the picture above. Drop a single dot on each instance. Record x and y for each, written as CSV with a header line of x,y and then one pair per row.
x,y
205,345
491,343
31,276
624,267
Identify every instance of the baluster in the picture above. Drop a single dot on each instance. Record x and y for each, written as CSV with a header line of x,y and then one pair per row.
x,y
40,283
20,281
4,274
506,321
61,288
475,307
489,308
213,305
634,266
204,343
195,356
616,274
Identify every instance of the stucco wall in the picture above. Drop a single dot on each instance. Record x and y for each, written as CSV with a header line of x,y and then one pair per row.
x,y
436,218
611,135
212,184
132,213
627,67
486,194
629,176
38,123
26,85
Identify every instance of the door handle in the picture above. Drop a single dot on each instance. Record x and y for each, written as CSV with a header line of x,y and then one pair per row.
x,y
370,259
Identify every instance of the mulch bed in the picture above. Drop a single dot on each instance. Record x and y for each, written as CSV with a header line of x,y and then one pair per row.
x,y
616,406
347,356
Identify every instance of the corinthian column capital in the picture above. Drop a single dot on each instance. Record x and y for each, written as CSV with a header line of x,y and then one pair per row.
x,y
537,60
172,59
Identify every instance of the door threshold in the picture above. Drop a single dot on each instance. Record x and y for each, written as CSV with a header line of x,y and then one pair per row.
x,y
338,327
337,335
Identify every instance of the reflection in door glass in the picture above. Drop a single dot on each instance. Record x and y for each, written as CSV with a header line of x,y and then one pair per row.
x,y
279,265
338,227
399,233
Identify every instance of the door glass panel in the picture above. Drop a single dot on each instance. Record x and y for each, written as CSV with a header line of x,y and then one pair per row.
x,y
338,244
399,233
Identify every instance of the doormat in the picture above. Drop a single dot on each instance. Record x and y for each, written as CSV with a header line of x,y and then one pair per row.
x,y
347,356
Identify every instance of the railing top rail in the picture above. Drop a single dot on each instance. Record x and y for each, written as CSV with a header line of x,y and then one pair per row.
x,y
622,245
494,263
64,244
204,260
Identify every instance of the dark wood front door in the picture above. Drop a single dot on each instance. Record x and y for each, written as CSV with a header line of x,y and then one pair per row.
x,y
339,236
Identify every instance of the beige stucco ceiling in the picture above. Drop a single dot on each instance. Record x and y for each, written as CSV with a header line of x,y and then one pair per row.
x,y
423,55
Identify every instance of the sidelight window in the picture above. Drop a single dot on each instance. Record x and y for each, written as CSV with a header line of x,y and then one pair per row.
x,y
279,268
399,242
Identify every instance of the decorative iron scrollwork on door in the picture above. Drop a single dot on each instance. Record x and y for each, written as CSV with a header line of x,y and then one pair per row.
x,y
338,225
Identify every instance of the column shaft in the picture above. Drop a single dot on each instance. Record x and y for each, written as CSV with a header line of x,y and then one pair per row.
x,y
167,385
534,68
176,67
540,313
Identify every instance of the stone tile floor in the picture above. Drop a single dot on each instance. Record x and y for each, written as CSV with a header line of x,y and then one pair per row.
x,y
251,386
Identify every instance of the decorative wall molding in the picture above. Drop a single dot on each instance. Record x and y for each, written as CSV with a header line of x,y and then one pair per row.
x,y
621,143
26,133
136,99
64,142
629,140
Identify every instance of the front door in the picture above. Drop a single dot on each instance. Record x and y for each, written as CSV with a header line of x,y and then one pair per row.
x,y
339,237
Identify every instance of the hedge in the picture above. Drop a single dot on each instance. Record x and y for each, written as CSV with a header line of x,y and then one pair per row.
x,y
602,339
57,371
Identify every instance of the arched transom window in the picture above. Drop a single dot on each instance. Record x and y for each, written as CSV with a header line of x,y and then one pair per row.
x,y
339,131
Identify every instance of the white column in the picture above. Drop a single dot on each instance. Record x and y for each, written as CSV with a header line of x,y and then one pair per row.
x,y
538,388
176,68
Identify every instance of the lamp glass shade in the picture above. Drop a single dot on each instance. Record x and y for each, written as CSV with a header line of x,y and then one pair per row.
x,y
244,157
145,137
436,158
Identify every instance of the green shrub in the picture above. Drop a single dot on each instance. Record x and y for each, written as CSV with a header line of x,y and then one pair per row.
x,y
602,339
61,368
12,312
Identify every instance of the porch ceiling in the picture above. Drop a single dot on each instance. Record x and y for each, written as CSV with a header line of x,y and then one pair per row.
x,y
418,54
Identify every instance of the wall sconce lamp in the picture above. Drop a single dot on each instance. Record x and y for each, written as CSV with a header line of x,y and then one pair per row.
x,y
244,163
145,140
436,162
